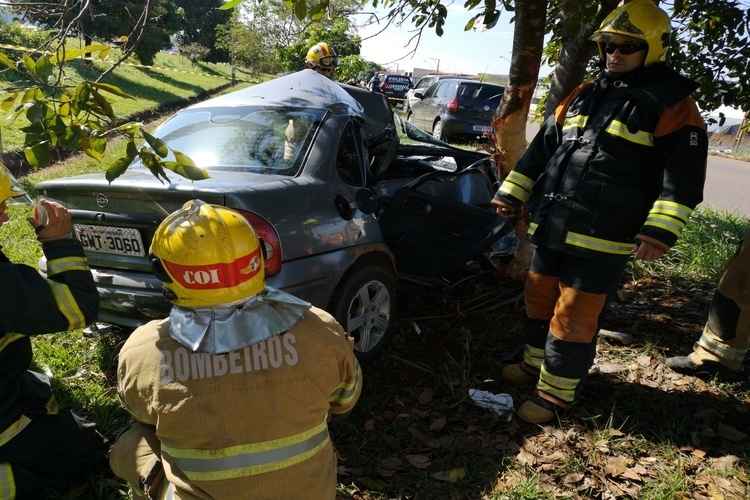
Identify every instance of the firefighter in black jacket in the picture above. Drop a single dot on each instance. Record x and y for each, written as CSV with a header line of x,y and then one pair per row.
x,y
41,447
616,171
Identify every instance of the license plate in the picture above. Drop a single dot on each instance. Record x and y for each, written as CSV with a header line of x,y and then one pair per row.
x,y
111,240
482,128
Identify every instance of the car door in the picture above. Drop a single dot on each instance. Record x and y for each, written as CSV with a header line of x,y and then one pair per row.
x,y
423,108
423,84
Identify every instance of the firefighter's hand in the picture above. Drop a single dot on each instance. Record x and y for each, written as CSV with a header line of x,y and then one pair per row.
x,y
649,248
505,209
59,225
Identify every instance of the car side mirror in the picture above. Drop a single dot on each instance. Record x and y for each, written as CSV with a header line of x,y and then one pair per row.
x,y
419,95
367,201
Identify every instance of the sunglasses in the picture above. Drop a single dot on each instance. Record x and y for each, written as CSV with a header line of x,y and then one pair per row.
x,y
624,48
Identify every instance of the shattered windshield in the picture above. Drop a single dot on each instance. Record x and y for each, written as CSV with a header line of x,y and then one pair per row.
x,y
269,140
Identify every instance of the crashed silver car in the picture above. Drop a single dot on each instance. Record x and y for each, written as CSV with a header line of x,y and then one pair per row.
x,y
343,207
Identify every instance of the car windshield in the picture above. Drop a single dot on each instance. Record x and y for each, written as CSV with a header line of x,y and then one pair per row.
x,y
255,139
479,94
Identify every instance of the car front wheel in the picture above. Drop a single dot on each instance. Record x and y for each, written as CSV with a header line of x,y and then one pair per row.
x,y
365,307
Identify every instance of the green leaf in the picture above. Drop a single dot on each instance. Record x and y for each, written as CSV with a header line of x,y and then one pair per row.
x,y
43,68
117,168
112,89
185,167
30,64
104,104
36,112
37,155
131,150
7,61
96,147
156,144
30,95
231,4
470,24
8,103
300,9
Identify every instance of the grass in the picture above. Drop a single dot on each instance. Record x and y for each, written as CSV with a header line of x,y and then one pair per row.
x,y
172,79
708,240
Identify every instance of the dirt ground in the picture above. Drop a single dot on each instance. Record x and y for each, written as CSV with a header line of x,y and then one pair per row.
x,y
724,143
640,430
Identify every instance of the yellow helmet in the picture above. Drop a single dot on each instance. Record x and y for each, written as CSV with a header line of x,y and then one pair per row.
x,y
643,20
209,255
322,55
8,188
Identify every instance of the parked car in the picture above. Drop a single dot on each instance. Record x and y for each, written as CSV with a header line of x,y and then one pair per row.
x,y
455,108
395,86
318,204
422,85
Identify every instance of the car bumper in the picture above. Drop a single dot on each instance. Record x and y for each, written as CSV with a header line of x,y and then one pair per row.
x,y
458,127
129,298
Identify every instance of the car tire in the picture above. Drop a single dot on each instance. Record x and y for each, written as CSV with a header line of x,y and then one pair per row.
x,y
437,130
365,305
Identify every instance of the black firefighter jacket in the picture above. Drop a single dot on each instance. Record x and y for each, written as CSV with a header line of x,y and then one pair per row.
x,y
31,305
621,157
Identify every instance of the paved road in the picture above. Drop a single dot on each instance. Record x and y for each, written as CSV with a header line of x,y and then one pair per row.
x,y
727,182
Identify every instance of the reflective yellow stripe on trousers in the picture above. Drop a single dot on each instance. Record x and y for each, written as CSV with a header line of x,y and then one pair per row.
x,y
248,459
7,482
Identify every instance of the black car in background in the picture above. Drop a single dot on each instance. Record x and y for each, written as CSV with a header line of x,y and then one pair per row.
x,y
455,108
395,86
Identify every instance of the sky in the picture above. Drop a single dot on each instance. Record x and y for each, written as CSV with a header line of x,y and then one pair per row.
x,y
458,50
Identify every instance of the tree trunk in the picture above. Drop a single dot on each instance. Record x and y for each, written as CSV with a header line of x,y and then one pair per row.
x,y
511,116
576,51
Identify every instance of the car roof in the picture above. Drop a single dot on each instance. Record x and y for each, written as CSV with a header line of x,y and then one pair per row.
x,y
303,89
446,77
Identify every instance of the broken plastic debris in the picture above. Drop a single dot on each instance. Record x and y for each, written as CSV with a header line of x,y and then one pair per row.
x,y
500,404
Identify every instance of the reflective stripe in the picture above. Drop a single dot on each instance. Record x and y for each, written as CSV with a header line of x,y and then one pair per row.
x,y
598,244
732,356
9,339
518,178
665,222
533,356
345,393
14,429
67,305
575,122
168,493
619,129
7,482
52,407
559,387
532,228
57,266
248,459
672,208
515,191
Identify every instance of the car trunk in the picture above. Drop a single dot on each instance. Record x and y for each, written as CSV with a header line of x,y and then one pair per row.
x,y
114,240
477,102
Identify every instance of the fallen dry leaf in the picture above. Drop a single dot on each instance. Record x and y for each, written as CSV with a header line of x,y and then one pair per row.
x,y
426,396
616,465
699,454
572,478
632,474
725,462
451,476
419,461
392,463
438,424
644,360
608,368
370,425
526,458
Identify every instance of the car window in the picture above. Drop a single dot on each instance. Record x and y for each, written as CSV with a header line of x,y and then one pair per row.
x,y
258,139
348,160
480,94
447,89
431,91
424,83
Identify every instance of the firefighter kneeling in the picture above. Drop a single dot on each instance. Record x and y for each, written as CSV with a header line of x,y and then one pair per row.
x,y
231,392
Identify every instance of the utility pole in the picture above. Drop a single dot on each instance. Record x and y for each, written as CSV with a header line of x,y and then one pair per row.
x,y
437,65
